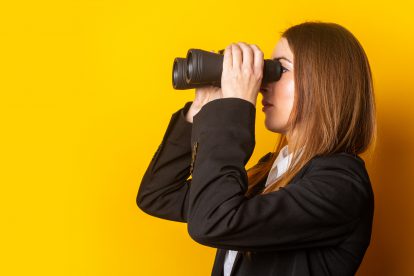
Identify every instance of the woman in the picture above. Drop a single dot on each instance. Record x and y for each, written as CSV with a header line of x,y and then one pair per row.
x,y
307,208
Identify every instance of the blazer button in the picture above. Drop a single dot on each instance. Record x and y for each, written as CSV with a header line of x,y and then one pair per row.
x,y
193,156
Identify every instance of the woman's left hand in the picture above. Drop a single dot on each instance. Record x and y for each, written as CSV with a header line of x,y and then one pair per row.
x,y
242,71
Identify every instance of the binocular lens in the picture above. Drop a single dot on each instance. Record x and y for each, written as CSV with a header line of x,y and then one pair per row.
x,y
180,71
190,69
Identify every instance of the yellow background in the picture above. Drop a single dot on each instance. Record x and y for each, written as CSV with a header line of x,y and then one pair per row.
x,y
86,96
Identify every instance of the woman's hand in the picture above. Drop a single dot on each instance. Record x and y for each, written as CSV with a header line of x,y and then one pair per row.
x,y
203,95
242,71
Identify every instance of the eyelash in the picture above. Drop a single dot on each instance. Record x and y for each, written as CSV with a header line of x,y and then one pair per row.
x,y
283,68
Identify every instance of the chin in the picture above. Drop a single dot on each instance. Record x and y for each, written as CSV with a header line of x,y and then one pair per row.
x,y
274,128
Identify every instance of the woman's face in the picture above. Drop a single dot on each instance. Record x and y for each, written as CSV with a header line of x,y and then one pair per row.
x,y
278,96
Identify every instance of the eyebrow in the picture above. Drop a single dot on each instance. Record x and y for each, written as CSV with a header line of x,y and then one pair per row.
x,y
284,59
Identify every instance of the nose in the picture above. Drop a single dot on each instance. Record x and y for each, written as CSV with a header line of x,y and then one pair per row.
x,y
264,88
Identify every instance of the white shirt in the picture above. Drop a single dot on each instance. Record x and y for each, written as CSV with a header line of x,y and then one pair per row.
x,y
279,167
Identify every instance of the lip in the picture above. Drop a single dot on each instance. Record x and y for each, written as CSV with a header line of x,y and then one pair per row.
x,y
266,103
266,107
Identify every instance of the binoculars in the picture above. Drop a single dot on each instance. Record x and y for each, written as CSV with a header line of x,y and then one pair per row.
x,y
203,68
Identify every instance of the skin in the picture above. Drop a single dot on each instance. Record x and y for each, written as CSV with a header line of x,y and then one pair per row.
x,y
241,78
280,93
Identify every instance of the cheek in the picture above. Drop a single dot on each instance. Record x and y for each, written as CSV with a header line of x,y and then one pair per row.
x,y
284,94
282,100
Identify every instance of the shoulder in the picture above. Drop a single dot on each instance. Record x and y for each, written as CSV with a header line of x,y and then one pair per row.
x,y
341,161
341,157
345,170
340,180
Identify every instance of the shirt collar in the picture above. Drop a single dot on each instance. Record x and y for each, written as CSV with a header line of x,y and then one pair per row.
x,y
280,165
283,156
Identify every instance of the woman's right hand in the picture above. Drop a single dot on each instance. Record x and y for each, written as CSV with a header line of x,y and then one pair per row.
x,y
203,95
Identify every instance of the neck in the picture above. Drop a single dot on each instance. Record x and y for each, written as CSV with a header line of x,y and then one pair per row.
x,y
290,137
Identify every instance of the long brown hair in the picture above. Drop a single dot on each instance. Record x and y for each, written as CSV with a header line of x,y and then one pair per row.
x,y
334,105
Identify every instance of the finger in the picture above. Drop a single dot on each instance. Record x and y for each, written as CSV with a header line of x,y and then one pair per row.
x,y
258,60
237,56
247,56
227,60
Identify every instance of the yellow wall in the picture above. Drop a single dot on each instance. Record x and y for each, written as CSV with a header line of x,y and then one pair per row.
x,y
86,97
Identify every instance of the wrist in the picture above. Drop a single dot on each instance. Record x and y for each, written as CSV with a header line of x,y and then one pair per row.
x,y
251,100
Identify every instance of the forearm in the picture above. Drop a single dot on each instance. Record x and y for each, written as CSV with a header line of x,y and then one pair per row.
x,y
164,186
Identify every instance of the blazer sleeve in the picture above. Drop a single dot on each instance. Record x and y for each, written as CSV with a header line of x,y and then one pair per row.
x,y
163,191
320,209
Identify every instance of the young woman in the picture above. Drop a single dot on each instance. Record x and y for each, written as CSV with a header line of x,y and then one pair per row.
x,y
305,209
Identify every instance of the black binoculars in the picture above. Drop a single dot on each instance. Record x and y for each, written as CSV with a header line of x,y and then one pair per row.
x,y
203,68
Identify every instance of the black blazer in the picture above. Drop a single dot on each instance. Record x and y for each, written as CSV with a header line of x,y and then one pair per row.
x,y
319,224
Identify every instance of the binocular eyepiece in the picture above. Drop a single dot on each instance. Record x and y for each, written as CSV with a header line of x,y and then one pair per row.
x,y
203,68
